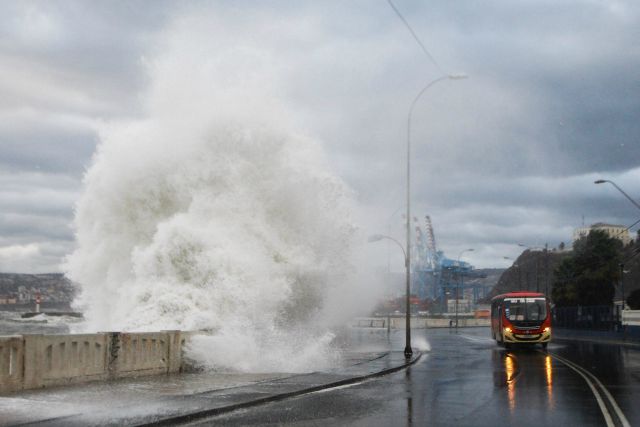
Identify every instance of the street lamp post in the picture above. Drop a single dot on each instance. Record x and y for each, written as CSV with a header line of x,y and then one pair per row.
x,y
622,282
461,280
389,232
621,319
408,352
602,181
375,238
546,269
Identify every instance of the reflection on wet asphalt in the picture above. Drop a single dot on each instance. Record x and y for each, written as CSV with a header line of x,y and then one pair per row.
x,y
467,380
617,367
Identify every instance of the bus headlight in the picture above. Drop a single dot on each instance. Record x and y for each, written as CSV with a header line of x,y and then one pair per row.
x,y
547,329
507,330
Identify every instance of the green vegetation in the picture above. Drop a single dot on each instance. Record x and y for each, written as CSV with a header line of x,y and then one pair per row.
x,y
589,275
634,300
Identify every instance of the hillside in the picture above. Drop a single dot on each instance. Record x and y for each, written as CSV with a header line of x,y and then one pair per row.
x,y
534,271
21,289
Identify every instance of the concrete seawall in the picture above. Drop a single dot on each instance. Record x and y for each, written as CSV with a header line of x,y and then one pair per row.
x,y
36,361
631,317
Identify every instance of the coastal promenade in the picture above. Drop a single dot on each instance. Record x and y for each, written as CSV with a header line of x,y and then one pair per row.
x,y
175,398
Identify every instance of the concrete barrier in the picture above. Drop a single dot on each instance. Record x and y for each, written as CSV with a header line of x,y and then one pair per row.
x,y
370,322
147,354
11,363
631,317
416,322
36,361
63,359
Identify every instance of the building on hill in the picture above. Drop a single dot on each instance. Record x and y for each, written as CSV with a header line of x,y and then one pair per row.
x,y
619,232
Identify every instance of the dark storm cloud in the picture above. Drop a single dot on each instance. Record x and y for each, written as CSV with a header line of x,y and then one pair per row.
x,y
38,193
552,103
104,40
44,149
29,226
509,155
572,64
67,66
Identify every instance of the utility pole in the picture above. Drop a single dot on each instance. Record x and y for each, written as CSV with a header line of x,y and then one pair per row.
x,y
622,282
546,270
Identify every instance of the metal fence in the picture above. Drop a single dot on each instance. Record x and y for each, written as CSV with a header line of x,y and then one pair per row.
x,y
599,318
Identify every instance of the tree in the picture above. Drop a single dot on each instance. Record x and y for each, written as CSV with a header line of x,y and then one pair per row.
x,y
634,300
588,277
564,292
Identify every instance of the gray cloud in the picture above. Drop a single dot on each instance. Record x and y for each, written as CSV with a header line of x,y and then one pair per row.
x,y
45,149
509,155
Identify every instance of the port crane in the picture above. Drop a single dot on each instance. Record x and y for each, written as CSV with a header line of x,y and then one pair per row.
x,y
436,277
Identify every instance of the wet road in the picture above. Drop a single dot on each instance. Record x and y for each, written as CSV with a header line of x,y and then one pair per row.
x,y
464,379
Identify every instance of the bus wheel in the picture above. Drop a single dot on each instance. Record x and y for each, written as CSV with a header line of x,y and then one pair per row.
x,y
544,345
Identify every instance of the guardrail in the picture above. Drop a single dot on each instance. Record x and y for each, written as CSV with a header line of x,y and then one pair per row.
x,y
631,317
36,361
416,322
600,317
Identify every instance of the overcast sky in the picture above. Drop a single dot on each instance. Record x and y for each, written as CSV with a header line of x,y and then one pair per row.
x,y
507,156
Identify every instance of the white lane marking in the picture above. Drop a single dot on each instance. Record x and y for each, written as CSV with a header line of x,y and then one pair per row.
x,y
340,387
623,419
586,375
613,402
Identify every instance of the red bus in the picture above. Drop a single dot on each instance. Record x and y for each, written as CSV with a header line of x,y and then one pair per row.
x,y
521,318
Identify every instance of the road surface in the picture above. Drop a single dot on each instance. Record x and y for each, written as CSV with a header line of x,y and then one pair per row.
x,y
465,379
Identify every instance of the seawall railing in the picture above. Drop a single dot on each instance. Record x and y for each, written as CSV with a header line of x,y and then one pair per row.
x,y
631,317
398,322
36,361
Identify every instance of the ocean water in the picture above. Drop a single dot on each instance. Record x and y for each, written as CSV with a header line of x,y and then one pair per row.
x,y
214,211
11,323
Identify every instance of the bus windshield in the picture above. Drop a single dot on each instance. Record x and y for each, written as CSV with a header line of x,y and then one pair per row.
x,y
525,309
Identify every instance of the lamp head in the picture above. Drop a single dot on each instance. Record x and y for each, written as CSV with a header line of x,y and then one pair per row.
x,y
375,238
600,181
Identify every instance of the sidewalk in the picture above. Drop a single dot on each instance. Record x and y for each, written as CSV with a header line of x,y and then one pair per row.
x,y
166,400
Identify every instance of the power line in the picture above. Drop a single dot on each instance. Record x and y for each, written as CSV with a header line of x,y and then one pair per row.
x,y
415,36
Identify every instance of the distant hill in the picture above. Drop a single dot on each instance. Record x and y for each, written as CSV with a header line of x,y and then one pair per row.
x,y
488,277
21,289
534,271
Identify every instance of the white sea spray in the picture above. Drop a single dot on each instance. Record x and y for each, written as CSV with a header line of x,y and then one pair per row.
x,y
213,212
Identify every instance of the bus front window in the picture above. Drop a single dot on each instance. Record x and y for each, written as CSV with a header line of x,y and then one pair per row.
x,y
525,309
